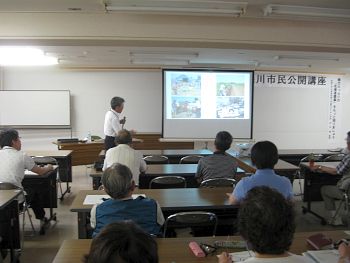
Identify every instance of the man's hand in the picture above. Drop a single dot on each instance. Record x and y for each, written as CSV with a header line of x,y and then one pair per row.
x,y
122,121
314,168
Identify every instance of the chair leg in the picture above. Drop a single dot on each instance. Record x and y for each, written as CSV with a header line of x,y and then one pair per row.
x,y
347,207
301,190
336,213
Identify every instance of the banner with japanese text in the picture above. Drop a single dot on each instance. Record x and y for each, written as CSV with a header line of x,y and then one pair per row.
x,y
331,82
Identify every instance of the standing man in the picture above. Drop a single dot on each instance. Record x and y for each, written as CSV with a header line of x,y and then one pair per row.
x,y
113,123
218,165
12,166
125,154
330,193
198,108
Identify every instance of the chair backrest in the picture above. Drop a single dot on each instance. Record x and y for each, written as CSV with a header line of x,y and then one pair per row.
x,y
169,181
218,182
334,157
317,158
190,219
39,160
192,159
156,159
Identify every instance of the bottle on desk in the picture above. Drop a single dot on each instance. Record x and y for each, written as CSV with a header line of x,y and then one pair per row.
x,y
89,137
311,158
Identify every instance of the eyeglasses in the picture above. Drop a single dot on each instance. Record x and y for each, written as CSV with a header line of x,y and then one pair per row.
x,y
207,249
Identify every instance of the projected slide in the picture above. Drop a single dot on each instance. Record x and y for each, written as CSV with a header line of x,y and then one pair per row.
x,y
207,95
199,103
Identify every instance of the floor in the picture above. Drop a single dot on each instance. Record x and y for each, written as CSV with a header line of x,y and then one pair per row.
x,y
43,248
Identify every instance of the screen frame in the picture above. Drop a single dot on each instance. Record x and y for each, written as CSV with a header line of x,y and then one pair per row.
x,y
252,72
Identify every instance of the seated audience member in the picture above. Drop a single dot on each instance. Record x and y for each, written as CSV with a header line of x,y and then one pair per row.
x,y
122,242
264,156
266,221
330,193
12,166
125,154
218,165
117,182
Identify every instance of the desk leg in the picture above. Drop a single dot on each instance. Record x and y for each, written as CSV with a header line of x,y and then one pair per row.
x,y
82,225
307,185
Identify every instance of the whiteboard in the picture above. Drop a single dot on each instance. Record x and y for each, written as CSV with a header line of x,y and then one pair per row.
x,y
35,108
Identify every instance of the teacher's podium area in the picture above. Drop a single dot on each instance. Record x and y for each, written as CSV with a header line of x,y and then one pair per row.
x,y
43,248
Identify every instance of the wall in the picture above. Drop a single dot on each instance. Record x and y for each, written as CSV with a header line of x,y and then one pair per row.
x,y
292,118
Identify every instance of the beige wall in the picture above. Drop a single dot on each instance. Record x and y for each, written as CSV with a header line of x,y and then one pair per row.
x,y
167,31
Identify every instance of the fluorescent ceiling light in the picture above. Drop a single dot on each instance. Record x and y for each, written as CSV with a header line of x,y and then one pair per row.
x,y
305,58
164,55
159,62
177,7
307,13
22,56
277,66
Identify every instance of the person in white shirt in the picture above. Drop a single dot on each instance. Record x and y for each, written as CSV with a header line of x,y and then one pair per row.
x,y
113,123
266,221
125,154
12,166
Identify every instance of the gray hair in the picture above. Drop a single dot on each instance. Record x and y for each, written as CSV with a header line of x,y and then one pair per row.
x,y
116,102
123,137
117,180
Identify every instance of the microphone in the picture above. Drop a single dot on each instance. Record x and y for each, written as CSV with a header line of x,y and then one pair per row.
x,y
123,122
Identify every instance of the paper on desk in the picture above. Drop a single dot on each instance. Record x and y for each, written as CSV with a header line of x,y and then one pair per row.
x,y
324,256
241,256
97,199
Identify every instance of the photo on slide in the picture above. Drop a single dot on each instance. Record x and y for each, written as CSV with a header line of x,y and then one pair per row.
x,y
230,85
230,107
185,84
185,107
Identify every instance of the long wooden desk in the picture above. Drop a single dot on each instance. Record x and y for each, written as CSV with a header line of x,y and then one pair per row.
x,y
186,170
9,222
173,155
64,160
170,200
313,181
46,185
245,163
295,155
87,152
177,249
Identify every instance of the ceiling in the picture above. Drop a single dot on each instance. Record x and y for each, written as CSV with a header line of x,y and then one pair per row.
x,y
119,56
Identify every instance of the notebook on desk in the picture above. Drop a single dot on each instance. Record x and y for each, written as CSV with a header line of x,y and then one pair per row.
x,y
67,140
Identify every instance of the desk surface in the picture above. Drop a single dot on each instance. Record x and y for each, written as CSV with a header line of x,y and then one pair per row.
x,y
169,153
327,164
177,250
54,154
170,199
165,169
246,164
6,196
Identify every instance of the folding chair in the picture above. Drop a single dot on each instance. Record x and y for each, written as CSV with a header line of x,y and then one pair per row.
x,y
168,181
334,157
192,159
41,160
297,174
218,182
156,159
9,186
191,219
346,200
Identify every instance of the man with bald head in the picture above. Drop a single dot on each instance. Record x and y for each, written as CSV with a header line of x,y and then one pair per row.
x,y
125,154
